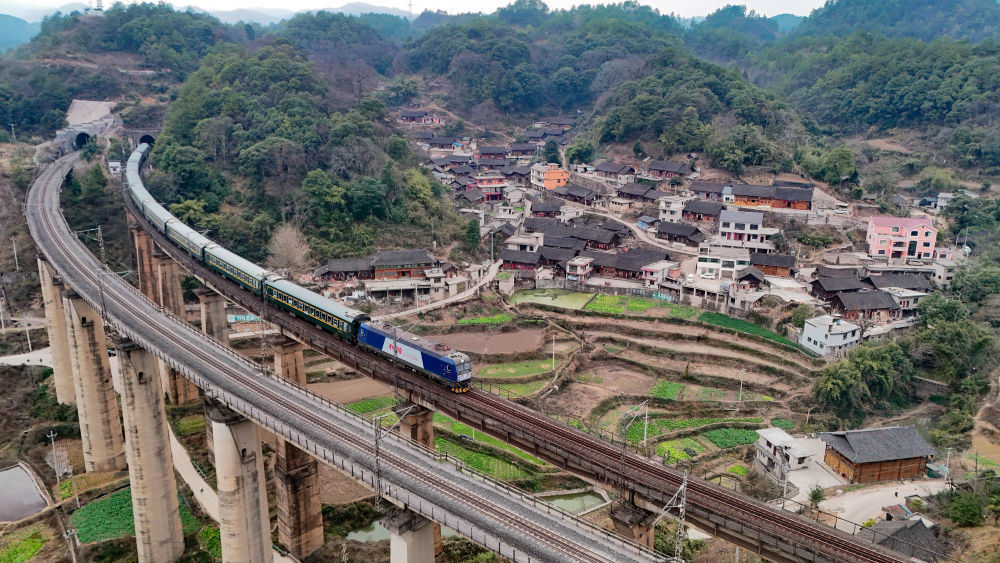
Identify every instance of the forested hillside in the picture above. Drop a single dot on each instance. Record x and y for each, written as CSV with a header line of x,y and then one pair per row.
x,y
251,142
921,19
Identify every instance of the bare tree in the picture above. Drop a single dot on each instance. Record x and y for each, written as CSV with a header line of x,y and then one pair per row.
x,y
288,250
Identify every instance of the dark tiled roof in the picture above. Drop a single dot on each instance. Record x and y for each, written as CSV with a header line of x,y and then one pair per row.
x,y
515,170
778,260
534,224
703,207
707,187
491,162
631,261
655,194
647,220
910,537
491,150
534,134
398,257
463,169
564,242
553,132
878,444
473,195
790,184
867,301
831,272
545,207
905,281
422,134
615,226
520,147
843,283
775,192
557,254
343,265
676,229
613,167
506,229
412,113
573,190
668,166
633,189
520,256
751,272
460,158
441,140
559,121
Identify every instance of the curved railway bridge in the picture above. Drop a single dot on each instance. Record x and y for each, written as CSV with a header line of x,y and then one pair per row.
x,y
498,518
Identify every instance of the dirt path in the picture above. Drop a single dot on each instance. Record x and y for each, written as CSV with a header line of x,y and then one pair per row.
x,y
494,342
689,330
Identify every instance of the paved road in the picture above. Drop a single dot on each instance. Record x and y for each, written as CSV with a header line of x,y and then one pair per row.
x,y
487,278
40,357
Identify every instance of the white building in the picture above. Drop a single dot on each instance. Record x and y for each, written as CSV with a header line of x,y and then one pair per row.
x,y
777,452
525,242
653,274
672,208
716,262
744,229
828,335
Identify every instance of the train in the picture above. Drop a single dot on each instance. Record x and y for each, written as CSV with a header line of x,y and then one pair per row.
x,y
434,360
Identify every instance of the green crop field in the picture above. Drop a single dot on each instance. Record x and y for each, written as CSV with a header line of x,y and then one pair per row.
x,y
640,304
666,390
211,541
22,545
674,450
460,428
517,369
602,303
111,517
192,424
782,423
726,321
498,319
662,425
482,462
371,405
731,437
525,389
562,298
737,469
712,394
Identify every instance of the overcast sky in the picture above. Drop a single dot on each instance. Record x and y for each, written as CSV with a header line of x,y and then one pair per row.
x,y
684,8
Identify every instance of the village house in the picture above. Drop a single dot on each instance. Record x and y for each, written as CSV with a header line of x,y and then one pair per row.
x,y
578,194
645,222
621,173
780,265
875,306
654,274
749,279
827,335
906,281
441,143
900,237
667,169
545,209
702,211
907,299
778,197
417,116
563,123
520,262
620,205
517,175
707,190
548,176
744,229
877,454
909,536
472,196
491,184
525,242
626,265
489,153
385,265
579,268
639,192
828,288
716,262
679,232
672,207
777,453
523,150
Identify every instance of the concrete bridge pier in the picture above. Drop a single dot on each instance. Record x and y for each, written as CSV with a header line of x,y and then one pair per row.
x,y
416,422
411,537
296,473
142,245
244,522
634,523
158,532
100,422
170,296
213,323
55,319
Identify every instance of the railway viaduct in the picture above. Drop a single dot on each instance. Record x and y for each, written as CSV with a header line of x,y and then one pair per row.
x,y
775,534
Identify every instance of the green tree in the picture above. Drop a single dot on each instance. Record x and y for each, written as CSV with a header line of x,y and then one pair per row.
x,y
936,308
976,282
637,150
838,165
472,235
800,314
550,152
367,198
966,509
816,495
580,150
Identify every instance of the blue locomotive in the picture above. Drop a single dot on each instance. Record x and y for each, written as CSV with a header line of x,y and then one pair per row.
x,y
431,359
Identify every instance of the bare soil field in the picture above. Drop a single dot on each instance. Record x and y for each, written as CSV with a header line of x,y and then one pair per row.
x,y
85,111
888,145
351,390
336,487
494,342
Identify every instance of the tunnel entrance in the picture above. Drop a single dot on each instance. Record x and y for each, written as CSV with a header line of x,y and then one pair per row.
x,y
148,139
81,140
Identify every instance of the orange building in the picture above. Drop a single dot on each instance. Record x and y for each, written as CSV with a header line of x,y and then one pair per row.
x,y
548,176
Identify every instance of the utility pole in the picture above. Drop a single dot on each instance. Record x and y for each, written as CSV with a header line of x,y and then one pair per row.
x,y
12,135
947,469
553,351
17,264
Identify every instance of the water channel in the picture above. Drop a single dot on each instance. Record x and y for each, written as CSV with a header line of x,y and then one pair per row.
x,y
19,495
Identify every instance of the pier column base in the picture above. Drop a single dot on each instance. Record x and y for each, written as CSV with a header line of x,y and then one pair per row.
x,y
213,314
411,538
158,533
100,419
55,319
634,523
417,423
142,245
244,523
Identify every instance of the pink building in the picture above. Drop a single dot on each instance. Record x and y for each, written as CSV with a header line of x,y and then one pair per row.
x,y
901,237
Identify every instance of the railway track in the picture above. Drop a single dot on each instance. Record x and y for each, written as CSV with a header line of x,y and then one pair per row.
x,y
605,458
299,410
